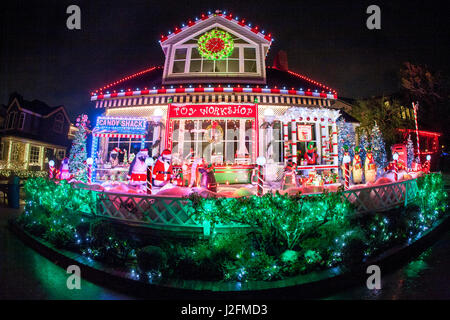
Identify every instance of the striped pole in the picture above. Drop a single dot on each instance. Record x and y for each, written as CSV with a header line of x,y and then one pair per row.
x,y
395,156
347,176
260,181
346,161
415,107
149,180
89,173
260,161
294,140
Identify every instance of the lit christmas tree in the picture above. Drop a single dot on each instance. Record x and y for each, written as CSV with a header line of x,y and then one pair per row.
x,y
379,148
346,136
78,154
409,151
363,144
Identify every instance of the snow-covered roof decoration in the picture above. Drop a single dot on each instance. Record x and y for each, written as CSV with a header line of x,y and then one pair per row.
x,y
310,114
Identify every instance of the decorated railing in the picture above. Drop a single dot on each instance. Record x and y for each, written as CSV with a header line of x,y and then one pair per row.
x,y
382,197
172,213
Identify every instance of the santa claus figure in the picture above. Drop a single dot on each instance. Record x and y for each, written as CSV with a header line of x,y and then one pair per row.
x,y
357,170
370,168
311,154
64,173
114,157
138,168
162,170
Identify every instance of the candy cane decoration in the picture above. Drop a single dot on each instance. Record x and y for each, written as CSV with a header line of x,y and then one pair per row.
x,y
260,161
395,156
51,169
89,162
149,162
346,161
415,107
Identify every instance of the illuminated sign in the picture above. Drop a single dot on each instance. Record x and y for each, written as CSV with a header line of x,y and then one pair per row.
x,y
304,132
213,111
121,123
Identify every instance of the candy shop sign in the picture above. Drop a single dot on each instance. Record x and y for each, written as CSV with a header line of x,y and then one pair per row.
x,y
213,111
115,122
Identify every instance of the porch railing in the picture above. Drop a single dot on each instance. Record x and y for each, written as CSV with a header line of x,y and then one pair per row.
x,y
172,213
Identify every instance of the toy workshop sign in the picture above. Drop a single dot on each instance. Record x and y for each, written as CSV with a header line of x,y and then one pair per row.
x,y
121,123
213,111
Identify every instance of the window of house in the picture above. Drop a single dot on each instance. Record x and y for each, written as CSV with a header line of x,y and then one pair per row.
x,y
21,120
61,154
179,61
15,151
59,123
11,120
34,154
249,60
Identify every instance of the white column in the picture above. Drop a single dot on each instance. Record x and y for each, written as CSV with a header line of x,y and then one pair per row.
x,y
181,139
285,136
324,137
294,140
318,138
334,138
241,147
269,139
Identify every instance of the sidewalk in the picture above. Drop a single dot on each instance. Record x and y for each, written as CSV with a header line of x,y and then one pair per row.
x,y
25,274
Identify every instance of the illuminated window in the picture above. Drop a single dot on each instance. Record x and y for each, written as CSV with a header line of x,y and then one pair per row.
x,y
34,154
21,120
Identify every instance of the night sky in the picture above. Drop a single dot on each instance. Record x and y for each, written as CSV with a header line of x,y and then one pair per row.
x,y
329,42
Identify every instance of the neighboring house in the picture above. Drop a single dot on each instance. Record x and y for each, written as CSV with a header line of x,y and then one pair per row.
x,y
32,134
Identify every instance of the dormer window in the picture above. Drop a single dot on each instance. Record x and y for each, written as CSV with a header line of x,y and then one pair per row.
x,y
216,50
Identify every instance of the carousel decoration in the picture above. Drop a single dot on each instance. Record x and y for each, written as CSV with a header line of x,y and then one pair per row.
x,y
215,45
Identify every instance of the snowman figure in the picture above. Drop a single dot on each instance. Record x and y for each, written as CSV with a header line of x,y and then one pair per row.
x,y
137,173
162,170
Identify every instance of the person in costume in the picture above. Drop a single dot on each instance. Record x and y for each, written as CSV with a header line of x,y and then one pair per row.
x,y
357,170
162,170
370,167
64,173
311,154
137,173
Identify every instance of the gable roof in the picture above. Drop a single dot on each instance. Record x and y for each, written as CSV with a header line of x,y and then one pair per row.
x,y
239,26
35,106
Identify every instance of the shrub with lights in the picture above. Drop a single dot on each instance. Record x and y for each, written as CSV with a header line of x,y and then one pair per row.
x,y
289,235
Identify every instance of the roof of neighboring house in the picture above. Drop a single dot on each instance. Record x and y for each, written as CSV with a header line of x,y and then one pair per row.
x,y
347,117
35,106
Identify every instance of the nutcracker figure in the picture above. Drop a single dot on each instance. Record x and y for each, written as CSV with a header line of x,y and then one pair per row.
x,y
162,170
370,168
207,180
357,170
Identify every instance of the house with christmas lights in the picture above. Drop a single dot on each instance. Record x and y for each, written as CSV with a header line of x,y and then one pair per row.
x,y
32,134
216,99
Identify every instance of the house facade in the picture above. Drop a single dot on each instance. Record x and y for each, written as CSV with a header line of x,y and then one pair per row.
x,y
32,134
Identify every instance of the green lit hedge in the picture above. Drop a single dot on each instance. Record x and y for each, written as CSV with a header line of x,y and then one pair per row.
x,y
291,235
